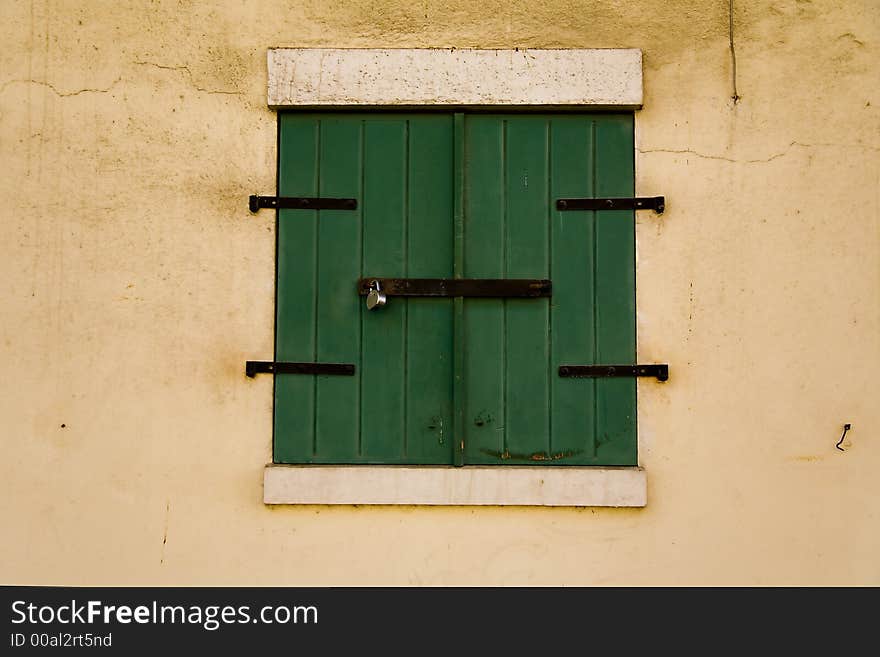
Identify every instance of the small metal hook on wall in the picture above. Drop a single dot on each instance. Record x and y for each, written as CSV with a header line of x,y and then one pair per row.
x,y
846,427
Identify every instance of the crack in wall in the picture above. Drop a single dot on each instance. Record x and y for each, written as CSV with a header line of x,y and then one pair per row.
x,y
185,69
62,94
775,156
852,37
165,534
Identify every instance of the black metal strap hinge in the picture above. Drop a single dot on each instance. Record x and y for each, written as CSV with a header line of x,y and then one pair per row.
x,y
655,203
254,367
301,203
457,287
599,371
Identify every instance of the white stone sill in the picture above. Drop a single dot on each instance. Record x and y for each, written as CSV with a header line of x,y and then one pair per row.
x,y
455,486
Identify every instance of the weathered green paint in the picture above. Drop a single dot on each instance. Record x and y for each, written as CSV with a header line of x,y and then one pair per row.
x,y
398,406
459,394
296,294
462,381
430,328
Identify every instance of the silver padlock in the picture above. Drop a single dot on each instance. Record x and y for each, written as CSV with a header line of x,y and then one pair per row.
x,y
375,298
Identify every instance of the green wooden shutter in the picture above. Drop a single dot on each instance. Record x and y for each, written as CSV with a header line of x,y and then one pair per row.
x,y
512,406
398,406
517,409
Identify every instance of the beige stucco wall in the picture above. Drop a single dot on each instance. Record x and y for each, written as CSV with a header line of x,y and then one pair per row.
x,y
135,284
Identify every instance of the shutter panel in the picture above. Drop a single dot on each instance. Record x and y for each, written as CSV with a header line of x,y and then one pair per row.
x,y
517,410
398,406
406,378
506,235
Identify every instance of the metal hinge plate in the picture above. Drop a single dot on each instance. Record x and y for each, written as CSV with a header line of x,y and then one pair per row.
x,y
300,203
254,367
655,203
661,371
457,287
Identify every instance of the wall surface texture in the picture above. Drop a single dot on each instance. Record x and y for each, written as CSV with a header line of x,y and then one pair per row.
x,y
136,284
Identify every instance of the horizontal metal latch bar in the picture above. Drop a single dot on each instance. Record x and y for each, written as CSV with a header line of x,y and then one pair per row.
x,y
660,371
254,367
655,203
457,287
301,203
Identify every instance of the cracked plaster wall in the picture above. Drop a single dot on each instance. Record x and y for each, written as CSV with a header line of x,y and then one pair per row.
x,y
135,285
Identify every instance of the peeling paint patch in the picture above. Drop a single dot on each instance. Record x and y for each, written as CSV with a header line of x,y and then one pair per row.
x,y
536,456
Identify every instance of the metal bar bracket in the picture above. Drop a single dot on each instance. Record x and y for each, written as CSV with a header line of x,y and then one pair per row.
x,y
300,203
655,203
661,371
457,287
254,367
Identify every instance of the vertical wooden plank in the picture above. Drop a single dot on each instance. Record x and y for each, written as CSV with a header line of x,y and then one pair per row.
x,y
459,384
430,323
615,292
295,292
484,257
383,374
339,308
572,273
527,249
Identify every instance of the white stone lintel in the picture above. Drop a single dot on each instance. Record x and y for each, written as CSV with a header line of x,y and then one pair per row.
x,y
338,77
468,485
